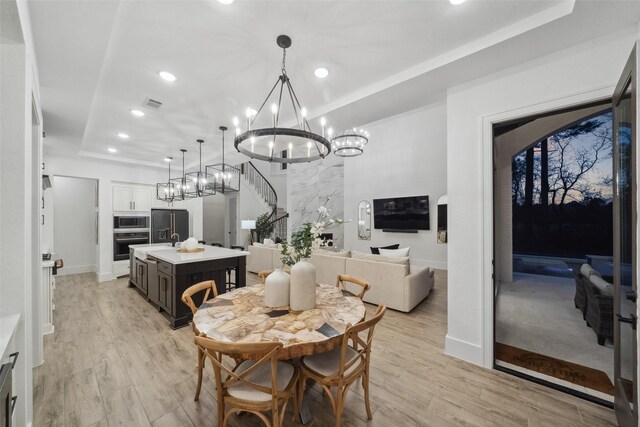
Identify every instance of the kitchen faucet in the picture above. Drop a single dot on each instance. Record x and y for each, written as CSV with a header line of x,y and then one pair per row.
x,y
173,242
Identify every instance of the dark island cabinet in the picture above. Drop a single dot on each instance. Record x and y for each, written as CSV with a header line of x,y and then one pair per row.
x,y
165,291
163,283
153,281
137,273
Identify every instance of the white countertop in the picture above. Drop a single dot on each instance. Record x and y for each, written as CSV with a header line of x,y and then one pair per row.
x,y
8,326
171,255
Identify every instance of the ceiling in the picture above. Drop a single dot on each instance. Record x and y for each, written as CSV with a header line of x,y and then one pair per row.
x,y
99,59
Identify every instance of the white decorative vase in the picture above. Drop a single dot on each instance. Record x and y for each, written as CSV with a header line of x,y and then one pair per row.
x,y
276,289
303,286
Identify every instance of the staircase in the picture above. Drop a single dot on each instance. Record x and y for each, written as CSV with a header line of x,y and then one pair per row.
x,y
264,189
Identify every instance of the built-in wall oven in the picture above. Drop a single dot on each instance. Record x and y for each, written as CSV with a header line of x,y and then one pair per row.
x,y
130,222
121,242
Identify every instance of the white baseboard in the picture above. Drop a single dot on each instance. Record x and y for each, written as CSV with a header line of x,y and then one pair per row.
x,y
463,350
104,277
48,329
66,270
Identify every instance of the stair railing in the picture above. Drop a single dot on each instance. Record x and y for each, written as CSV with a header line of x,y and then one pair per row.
x,y
280,226
262,186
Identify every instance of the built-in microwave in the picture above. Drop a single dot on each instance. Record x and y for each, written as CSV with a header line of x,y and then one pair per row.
x,y
130,222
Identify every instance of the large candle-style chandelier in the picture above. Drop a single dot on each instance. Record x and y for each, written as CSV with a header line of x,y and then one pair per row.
x,y
281,144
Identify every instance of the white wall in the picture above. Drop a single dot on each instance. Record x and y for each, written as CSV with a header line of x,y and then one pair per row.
x,y
19,180
75,223
584,72
105,172
406,156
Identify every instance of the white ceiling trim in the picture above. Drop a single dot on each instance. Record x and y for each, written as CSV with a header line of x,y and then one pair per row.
x,y
122,159
510,31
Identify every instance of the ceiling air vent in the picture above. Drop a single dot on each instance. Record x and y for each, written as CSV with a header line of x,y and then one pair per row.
x,y
152,103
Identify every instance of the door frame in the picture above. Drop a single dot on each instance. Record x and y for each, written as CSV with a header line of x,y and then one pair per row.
x,y
488,288
624,414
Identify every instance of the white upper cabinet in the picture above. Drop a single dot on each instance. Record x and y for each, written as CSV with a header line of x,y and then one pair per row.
x,y
142,199
133,198
122,199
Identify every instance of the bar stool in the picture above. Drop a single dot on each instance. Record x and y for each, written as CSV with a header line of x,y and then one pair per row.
x,y
231,284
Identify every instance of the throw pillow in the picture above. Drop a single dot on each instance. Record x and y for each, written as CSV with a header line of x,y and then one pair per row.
x,y
376,250
395,253
604,287
268,242
257,244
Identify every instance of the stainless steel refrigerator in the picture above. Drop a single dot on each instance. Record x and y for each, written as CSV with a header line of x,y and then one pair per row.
x,y
166,222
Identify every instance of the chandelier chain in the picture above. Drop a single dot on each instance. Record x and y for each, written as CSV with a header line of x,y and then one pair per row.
x,y
284,58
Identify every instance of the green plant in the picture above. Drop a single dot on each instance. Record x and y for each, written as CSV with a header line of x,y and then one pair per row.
x,y
264,226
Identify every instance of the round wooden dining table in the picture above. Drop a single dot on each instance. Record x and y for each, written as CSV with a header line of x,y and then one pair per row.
x,y
240,316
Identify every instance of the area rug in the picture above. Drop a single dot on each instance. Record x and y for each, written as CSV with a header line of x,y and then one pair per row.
x,y
567,371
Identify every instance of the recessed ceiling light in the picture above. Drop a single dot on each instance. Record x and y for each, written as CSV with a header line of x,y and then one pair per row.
x,y
137,113
225,1
123,135
321,72
165,75
457,1
112,150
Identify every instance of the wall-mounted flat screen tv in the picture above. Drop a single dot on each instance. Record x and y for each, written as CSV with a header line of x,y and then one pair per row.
x,y
401,213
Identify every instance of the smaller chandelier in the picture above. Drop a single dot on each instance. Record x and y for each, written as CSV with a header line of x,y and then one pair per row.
x,y
350,143
273,143
165,191
226,178
197,183
181,185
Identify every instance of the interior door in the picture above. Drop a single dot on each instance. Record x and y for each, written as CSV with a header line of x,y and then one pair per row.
x,y
624,245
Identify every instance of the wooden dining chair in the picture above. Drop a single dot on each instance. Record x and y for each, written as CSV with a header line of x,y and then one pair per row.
x,y
258,385
264,274
187,297
342,366
342,278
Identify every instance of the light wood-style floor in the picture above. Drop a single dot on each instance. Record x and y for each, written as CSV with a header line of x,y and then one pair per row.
x,y
114,361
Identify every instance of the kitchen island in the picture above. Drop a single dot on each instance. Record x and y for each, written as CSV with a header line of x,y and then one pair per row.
x,y
162,274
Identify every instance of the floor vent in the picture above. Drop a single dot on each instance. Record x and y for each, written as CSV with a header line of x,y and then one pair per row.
x,y
152,103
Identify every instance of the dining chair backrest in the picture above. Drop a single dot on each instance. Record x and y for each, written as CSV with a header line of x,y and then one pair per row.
x,y
264,274
361,345
342,278
208,286
262,352
219,245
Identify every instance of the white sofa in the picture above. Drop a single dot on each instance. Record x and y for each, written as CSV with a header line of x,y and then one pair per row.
x,y
392,284
395,284
261,258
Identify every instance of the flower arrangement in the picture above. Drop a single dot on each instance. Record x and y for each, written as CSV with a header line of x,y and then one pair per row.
x,y
306,240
